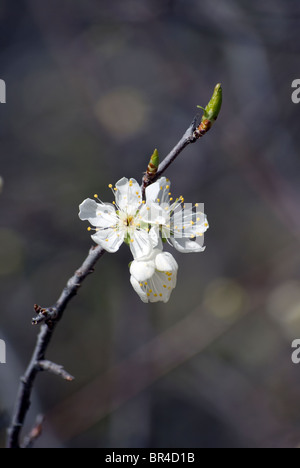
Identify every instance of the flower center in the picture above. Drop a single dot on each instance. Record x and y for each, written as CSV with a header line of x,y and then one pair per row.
x,y
129,221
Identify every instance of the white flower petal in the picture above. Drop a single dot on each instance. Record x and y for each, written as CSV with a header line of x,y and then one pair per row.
x,y
155,238
138,289
188,224
186,245
106,216
128,195
99,215
158,191
160,286
109,239
88,210
153,213
140,244
142,271
151,284
165,261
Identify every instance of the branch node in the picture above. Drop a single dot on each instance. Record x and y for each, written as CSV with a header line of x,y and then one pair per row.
x,y
44,314
55,369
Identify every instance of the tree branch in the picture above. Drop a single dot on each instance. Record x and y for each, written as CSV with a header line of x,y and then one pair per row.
x,y
55,369
188,137
51,317
193,133
35,432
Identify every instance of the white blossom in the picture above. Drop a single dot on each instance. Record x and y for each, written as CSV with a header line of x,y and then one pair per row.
x,y
154,277
121,221
143,225
181,224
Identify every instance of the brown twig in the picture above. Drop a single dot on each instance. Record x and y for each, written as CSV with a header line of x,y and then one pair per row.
x,y
51,317
188,137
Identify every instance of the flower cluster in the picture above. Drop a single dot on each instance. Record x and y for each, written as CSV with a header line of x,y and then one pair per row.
x,y
145,225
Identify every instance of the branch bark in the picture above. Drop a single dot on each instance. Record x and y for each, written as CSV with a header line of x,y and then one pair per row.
x,y
51,317
188,137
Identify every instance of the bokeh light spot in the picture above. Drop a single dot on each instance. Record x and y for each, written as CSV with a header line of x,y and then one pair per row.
x,y
11,252
123,112
225,298
284,307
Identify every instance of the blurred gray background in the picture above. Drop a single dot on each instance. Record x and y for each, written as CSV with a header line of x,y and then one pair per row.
x,y
92,88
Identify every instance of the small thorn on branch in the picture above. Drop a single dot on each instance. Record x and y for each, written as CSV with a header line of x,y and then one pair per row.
x,y
55,369
44,314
